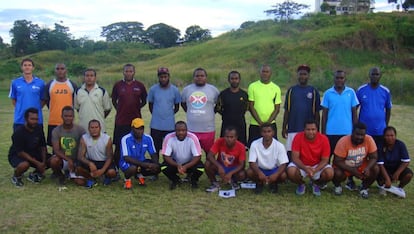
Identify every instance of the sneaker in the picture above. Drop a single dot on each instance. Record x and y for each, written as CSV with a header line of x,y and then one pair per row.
x,y
363,193
33,178
128,184
350,185
141,179
323,186
215,186
382,192
258,189
235,186
338,190
300,190
17,181
273,188
316,190
90,184
107,180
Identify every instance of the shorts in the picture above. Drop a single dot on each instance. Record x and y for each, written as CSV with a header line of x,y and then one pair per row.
x,y
206,139
158,138
289,140
360,169
15,160
99,165
269,172
333,139
125,166
316,176
49,134
391,171
227,169
119,132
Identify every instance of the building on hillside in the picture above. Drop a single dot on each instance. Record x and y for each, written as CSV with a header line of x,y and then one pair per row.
x,y
343,7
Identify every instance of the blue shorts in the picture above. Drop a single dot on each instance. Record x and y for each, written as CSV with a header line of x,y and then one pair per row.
x,y
269,172
227,169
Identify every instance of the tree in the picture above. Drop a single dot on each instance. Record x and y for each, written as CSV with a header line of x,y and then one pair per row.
x,y
247,24
123,32
407,4
162,35
196,33
286,10
23,33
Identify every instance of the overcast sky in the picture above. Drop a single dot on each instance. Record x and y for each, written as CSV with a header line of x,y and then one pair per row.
x,y
86,18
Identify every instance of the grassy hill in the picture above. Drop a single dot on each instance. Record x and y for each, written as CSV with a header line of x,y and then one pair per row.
x,y
353,43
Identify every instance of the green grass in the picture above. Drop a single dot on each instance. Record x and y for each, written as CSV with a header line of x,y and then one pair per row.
x,y
43,208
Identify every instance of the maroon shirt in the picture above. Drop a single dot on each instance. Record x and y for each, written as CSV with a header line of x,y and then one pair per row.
x,y
129,98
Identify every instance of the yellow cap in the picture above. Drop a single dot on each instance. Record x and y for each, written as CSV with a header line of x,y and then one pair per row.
x,y
137,123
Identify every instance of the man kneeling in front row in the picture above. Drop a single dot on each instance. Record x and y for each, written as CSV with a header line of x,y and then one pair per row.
x,y
96,155
310,158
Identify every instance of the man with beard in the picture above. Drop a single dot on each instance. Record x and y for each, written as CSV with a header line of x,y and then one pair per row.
x,y
232,104
128,97
28,149
198,100
163,102
356,155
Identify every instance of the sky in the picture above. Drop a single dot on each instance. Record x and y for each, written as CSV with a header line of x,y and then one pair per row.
x,y
86,18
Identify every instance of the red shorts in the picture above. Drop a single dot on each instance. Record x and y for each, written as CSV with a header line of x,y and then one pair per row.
x,y
206,139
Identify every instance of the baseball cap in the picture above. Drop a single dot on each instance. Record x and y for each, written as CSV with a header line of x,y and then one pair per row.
x,y
304,67
163,70
137,123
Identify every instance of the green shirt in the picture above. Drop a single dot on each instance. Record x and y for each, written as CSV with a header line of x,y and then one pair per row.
x,y
265,97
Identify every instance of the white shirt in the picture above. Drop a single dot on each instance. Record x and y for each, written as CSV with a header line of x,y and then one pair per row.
x,y
270,158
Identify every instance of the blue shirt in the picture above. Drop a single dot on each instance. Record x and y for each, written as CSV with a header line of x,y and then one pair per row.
x,y
374,102
339,107
301,102
163,100
130,147
27,95
391,159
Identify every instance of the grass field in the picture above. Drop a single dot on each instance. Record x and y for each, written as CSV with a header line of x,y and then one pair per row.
x,y
154,209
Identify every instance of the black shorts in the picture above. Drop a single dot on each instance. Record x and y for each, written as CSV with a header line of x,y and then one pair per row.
x,y
391,171
333,139
119,132
15,160
99,165
158,137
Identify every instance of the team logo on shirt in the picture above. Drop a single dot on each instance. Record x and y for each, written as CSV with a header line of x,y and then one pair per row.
x,y
309,95
227,159
198,100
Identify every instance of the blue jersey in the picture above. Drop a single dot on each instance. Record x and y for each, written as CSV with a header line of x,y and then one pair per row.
x,y
391,159
339,107
27,95
374,102
130,147
163,100
301,103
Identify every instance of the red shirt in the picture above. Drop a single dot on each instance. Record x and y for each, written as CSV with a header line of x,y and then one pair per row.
x,y
311,152
128,98
229,157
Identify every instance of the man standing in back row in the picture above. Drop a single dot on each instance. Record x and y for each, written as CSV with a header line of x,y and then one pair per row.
x,y
163,101
264,103
128,97
198,100
232,104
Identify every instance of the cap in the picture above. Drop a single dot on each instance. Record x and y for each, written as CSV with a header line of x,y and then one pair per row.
x,y
304,67
137,123
163,70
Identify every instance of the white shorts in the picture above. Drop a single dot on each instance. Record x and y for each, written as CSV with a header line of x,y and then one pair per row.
x,y
289,140
303,173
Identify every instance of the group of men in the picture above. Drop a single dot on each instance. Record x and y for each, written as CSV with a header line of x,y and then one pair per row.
x,y
84,152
